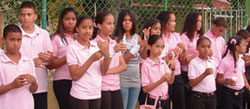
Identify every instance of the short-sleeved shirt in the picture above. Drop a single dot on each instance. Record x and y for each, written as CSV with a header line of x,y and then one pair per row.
x,y
19,98
171,42
59,50
191,47
218,46
151,73
196,68
89,85
111,82
31,47
228,69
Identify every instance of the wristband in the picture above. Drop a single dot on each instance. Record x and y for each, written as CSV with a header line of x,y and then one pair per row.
x,y
135,50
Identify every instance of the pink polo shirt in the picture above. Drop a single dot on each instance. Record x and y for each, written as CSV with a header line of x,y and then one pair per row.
x,y
218,46
197,67
89,85
59,50
151,73
191,47
111,82
228,70
19,98
31,47
171,42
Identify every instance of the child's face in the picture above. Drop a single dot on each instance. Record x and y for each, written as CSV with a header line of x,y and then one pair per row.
x,y
171,23
199,23
27,17
155,29
69,21
85,29
107,26
241,49
127,23
13,42
204,48
156,48
218,30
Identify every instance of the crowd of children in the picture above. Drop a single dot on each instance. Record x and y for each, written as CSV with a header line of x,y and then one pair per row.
x,y
95,69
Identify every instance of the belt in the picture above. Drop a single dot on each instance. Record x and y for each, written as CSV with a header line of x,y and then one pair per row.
x,y
203,94
160,97
234,92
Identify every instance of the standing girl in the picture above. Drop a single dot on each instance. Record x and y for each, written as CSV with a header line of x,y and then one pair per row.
x,y
156,75
231,74
173,41
111,93
63,36
129,79
83,58
201,74
192,30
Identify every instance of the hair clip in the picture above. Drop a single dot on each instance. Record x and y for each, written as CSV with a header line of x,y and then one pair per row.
x,y
233,41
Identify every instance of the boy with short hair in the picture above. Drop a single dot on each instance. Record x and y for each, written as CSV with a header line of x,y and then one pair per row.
x,y
37,45
17,73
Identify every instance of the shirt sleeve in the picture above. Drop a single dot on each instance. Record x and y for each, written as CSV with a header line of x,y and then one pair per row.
x,y
47,42
55,45
33,69
71,56
145,77
191,70
221,68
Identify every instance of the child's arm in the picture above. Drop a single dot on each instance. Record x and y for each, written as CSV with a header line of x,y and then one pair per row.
x,y
29,79
122,67
17,83
222,81
77,73
246,82
188,59
172,64
194,82
143,47
152,86
57,62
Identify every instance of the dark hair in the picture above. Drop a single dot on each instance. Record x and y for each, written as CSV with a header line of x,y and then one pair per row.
x,y
119,27
190,25
150,23
201,39
11,28
152,40
99,20
248,28
243,33
164,17
60,27
220,21
28,4
231,46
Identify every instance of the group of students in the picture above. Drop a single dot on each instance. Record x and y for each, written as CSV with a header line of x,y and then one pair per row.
x,y
95,70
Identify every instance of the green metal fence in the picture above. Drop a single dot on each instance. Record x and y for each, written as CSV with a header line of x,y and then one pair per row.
x,y
49,10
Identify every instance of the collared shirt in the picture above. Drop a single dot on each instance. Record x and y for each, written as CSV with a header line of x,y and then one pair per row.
x,y
228,69
111,82
151,73
171,42
218,46
59,50
31,47
19,98
196,68
191,47
89,85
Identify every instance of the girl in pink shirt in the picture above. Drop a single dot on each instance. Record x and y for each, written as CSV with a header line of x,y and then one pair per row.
x,y
156,75
231,74
85,66
192,30
172,41
111,93
17,73
201,73
63,36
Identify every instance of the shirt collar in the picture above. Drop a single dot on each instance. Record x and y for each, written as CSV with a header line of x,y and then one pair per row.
x,y
151,62
85,47
6,59
99,38
36,32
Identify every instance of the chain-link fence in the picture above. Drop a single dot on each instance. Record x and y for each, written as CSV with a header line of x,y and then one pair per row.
x,y
232,10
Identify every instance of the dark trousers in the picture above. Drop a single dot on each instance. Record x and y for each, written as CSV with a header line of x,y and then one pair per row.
x,y
201,101
187,89
142,97
230,100
177,93
246,99
40,100
84,104
165,104
62,90
111,100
